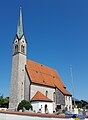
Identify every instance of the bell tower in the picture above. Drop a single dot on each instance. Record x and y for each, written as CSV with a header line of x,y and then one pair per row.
x,y
18,65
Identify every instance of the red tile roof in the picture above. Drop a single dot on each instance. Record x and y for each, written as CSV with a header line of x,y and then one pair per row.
x,y
40,97
44,75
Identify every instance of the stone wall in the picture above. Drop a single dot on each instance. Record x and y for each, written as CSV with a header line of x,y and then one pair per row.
x,y
60,98
8,115
5,116
13,83
17,80
27,87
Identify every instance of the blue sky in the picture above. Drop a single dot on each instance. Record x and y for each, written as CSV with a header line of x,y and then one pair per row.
x,y
57,36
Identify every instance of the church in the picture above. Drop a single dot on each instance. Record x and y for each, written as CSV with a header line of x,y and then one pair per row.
x,y
35,82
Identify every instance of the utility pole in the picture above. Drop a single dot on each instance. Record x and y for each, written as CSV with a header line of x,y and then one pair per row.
x,y
71,78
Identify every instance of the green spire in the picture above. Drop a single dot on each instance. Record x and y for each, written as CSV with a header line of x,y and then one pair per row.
x,y
20,25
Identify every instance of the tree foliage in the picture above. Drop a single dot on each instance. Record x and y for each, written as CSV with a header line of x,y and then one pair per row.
x,y
4,101
82,105
24,104
79,105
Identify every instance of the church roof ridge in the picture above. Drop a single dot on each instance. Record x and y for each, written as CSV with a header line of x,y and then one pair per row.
x,y
41,64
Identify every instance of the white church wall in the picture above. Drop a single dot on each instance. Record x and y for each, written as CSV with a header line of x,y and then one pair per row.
x,y
41,105
68,102
42,89
35,106
34,88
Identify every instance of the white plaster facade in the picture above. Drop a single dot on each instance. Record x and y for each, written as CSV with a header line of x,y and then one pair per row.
x,y
50,92
68,102
41,105
35,87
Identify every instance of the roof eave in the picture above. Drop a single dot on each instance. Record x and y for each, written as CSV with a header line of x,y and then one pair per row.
x,y
40,101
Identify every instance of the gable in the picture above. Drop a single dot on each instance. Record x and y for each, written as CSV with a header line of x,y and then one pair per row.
x,y
44,75
40,97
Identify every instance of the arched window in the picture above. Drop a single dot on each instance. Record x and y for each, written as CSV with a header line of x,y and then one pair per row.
x,y
46,108
22,48
54,97
22,90
46,93
16,48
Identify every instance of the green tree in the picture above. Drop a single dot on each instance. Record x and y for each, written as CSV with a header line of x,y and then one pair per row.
x,y
1,100
79,105
1,97
24,104
4,101
82,105
87,106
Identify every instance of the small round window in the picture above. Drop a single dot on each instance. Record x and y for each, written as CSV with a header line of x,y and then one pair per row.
x,y
22,41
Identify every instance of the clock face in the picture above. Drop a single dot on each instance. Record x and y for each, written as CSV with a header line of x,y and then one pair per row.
x,y
16,41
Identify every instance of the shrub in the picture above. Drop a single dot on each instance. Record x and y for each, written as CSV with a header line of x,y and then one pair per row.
x,y
4,102
24,104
